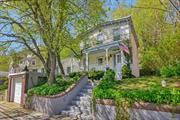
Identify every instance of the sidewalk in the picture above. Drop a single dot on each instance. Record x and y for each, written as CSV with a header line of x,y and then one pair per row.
x,y
12,111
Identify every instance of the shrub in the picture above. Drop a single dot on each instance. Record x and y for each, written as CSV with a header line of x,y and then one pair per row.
x,y
45,89
4,84
148,72
126,72
53,89
168,71
4,78
73,74
41,81
61,85
153,95
177,69
108,80
59,76
95,75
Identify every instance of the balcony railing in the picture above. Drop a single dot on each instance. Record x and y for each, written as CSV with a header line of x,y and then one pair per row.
x,y
94,42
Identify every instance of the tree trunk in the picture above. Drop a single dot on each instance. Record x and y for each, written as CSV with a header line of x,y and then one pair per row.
x,y
60,65
51,76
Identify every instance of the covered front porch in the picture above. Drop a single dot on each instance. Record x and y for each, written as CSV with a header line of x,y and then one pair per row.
x,y
104,56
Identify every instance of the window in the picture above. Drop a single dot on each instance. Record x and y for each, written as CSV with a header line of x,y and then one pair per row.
x,y
118,58
125,33
68,69
116,34
100,37
33,62
100,61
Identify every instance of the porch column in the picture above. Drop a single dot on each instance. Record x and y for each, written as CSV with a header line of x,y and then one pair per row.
x,y
87,61
122,58
107,62
71,64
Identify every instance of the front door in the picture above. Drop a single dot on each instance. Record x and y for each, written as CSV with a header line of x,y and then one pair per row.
x,y
17,91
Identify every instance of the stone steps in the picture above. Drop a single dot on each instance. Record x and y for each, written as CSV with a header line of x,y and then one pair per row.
x,y
80,107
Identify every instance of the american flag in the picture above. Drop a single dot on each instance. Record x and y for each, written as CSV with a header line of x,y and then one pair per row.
x,y
123,47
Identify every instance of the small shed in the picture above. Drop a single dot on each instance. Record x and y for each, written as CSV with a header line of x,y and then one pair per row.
x,y
19,83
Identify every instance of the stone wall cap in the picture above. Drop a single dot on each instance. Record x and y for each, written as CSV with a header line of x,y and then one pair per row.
x,y
144,105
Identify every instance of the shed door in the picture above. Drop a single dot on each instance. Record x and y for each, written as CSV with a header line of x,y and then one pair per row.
x,y
17,91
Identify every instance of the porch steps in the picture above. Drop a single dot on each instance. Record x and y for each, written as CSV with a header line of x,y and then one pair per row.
x,y
80,107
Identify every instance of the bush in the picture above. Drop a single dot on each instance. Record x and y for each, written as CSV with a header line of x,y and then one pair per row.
x,y
148,72
41,81
177,69
61,85
126,72
108,80
4,78
73,74
95,75
45,89
167,71
53,89
153,95
4,84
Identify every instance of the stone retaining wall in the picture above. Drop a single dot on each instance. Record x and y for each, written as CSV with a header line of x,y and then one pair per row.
x,y
54,104
106,110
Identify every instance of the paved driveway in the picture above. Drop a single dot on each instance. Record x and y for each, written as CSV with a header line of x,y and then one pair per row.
x,y
12,111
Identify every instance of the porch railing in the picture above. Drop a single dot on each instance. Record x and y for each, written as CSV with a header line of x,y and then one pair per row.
x,y
96,67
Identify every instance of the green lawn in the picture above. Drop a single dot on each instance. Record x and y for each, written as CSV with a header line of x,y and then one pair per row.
x,y
147,82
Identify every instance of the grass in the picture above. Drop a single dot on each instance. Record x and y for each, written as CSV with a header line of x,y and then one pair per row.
x,y
147,82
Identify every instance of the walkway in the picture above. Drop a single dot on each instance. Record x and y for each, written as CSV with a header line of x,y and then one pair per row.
x,y
12,111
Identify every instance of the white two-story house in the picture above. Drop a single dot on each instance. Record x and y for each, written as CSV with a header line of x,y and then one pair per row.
x,y
101,48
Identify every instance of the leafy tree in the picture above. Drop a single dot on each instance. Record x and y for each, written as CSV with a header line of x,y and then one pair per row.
x,y
50,24
4,63
158,38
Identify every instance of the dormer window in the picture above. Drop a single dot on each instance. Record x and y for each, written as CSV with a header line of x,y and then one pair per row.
x,y
116,34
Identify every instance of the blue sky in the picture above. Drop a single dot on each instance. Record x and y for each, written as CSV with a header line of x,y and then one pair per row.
x,y
112,4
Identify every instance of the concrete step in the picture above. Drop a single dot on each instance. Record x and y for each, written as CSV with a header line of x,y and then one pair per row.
x,y
88,87
86,111
84,94
84,90
80,107
82,98
74,108
86,117
74,114
81,103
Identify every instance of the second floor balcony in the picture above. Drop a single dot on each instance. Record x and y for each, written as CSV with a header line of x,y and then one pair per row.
x,y
92,43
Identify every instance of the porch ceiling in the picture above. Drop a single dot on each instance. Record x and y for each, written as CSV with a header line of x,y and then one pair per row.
x,y
102,47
